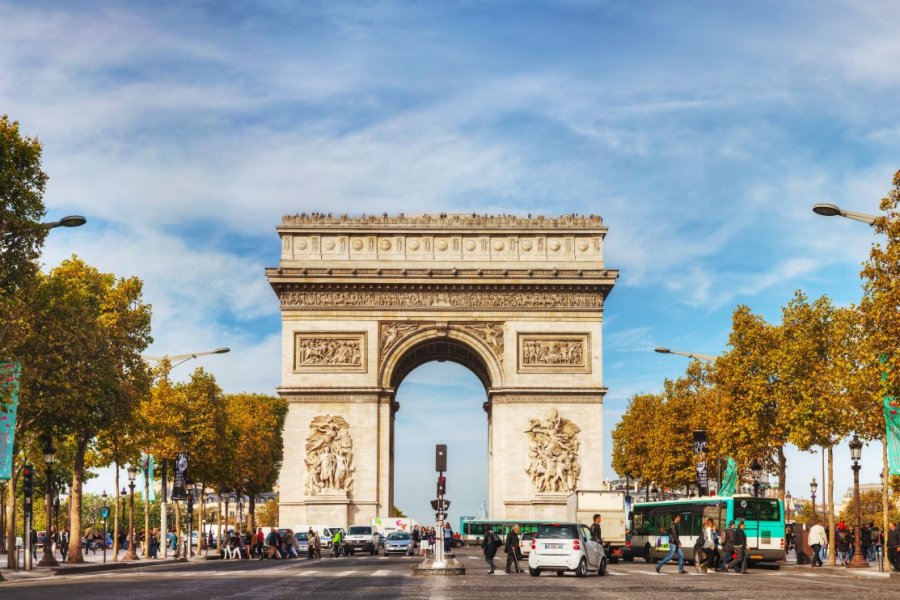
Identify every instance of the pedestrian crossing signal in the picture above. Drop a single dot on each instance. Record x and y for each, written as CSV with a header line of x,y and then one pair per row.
x,y
28,480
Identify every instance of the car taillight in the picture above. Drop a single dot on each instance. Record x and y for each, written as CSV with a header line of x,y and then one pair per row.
x,y
576,545
533,545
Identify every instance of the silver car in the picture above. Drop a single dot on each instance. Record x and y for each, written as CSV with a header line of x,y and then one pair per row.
x,y
397,542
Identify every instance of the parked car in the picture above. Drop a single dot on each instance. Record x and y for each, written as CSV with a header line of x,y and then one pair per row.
x,y
302,543
525,543
363,538
397,542
565,547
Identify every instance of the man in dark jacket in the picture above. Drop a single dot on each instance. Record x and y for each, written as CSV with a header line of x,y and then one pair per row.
x,y
893,545
414,542
491,543
512,549
596,534
727,547
674,546
740,546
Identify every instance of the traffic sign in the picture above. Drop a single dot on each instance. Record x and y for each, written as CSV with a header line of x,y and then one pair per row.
x,y
104,512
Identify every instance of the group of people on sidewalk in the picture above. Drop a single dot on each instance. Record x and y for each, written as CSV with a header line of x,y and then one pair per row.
x,y
871,540
424,539
719,554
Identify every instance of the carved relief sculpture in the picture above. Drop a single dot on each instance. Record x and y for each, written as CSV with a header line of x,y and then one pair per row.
x,y
553,457
329,351
329,456
391,333
550,353
490,333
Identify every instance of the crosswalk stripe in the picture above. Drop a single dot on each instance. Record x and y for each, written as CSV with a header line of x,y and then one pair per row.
x,y
344,573
381,573
615,573
307,573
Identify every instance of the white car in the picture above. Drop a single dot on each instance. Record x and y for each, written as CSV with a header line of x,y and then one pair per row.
x,y
565,547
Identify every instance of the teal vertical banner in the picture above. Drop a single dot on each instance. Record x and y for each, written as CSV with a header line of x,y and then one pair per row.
x,y
9,405
729,479
891,420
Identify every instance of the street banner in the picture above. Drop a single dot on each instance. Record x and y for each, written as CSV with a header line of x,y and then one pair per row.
x,y
147,464
892,420
181,465
700,445
9,406
729,480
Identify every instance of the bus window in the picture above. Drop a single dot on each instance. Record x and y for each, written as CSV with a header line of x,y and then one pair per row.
x,y
757,509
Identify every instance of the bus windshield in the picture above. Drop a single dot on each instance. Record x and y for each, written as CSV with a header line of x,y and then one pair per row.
x,y
756,509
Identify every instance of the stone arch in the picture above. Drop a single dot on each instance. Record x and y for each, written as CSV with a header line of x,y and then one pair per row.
x,y
440,342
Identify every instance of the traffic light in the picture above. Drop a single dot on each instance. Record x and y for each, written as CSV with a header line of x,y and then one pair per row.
x,y
440,458
190,502
441,486
28,480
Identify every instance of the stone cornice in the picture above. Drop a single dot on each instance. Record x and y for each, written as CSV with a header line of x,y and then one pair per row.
x,y
441,221
284,274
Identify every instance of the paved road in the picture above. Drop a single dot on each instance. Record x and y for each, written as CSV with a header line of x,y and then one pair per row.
x,y
372,578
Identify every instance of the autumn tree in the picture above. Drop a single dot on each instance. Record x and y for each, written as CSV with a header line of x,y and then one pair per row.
x,y
748,421
880,307
632,438
91,328
259,422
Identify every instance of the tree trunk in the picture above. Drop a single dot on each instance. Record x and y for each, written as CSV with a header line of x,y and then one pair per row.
x,y
251,515
219,523
832,555
177,528
74,556
115,498
782,471
11,521
885,485
147,507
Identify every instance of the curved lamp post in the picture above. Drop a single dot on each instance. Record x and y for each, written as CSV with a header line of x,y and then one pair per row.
x,y
706,357
131,554
858,561
48,560
831,210
813,486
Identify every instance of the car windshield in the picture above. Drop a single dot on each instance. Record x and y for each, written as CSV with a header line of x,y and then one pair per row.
x,y
301,536
557,532
399,536
360,531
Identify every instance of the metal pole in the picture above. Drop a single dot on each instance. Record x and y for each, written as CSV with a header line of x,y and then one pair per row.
x,y
48,560
858,560
131,554
105,533
27,544
163,524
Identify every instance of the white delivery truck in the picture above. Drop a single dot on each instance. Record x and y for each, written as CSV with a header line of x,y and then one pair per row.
x,y
611,505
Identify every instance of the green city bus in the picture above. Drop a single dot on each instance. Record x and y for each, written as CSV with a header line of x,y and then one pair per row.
x,y
763,522
473,531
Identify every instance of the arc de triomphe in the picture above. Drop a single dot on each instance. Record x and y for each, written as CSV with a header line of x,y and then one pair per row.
x,y
365,300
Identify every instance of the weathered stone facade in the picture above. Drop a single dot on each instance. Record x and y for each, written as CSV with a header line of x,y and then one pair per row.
x,y
365,300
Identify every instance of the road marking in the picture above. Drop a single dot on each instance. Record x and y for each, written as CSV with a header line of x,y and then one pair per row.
x,y
381,573
344,573
307,573
615,573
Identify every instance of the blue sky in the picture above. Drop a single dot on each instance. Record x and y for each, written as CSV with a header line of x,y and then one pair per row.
x,y
701,131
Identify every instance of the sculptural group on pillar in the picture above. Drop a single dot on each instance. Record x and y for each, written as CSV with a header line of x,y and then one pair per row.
x,y
553,457
329,456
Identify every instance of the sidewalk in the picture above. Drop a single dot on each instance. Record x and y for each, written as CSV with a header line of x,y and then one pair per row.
x,y
790,564
92,563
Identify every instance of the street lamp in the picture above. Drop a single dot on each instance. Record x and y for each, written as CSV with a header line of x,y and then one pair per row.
x,y
131,554
706,357
48,560
858,561
756,469
788,504
813,486
69,221
103,498
831,210
180,358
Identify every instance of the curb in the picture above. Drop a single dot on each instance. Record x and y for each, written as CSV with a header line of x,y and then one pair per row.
x,y
111,566
871,572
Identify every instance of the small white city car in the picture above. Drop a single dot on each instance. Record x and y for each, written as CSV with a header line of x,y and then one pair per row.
x,y
565,547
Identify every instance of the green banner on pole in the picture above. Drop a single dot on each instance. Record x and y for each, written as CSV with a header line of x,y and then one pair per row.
x,y
9,405
891,419
729,479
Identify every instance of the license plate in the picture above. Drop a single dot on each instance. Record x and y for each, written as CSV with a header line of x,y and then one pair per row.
x,y
756,557
553,546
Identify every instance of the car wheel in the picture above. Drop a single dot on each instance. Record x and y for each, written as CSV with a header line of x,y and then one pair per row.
x,y
534,572
560,573
648,554
601,570
582,570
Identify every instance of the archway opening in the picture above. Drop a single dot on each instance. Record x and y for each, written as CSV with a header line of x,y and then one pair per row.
x,y
441,402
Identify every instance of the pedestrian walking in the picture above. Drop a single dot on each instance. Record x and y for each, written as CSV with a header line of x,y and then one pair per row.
x,y
596,532
893,545
416,535
843,546
740,547
817,540
448,536
727,547
708,546
491,543
274,542
512,550
674,547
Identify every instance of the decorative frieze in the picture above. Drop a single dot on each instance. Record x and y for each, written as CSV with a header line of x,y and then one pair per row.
x,y
554,353
436,299
444,220
324,352
553,456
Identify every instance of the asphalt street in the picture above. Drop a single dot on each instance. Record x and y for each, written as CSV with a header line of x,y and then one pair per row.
x,y
377,577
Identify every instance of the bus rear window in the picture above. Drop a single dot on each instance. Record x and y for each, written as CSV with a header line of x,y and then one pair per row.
x,y
751,509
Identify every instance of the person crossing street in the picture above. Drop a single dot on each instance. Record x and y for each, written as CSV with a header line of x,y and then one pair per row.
x,y
674,547
512,550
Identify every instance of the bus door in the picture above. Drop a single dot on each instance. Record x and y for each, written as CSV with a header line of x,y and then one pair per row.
x,y
718,513
748,510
